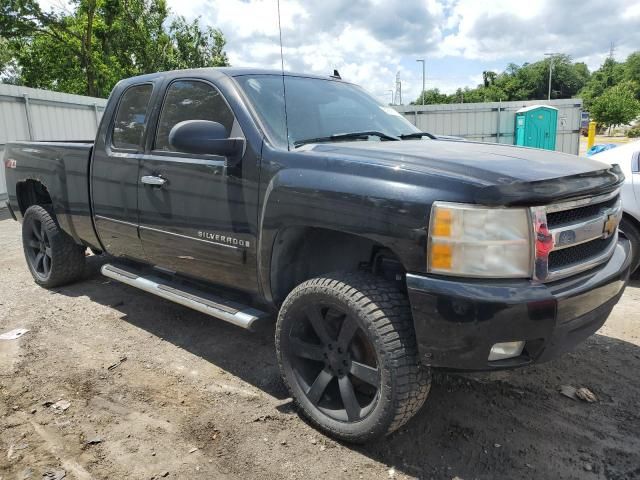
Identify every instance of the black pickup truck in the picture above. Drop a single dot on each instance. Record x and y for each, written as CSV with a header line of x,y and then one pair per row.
x,y
382,251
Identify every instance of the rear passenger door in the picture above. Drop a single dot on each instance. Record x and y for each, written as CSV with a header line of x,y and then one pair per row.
x,y
193,219
114,175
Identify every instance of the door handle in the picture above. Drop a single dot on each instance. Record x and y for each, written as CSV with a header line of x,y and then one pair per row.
x,y
153,180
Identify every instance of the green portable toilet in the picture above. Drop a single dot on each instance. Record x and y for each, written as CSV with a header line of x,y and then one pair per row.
x,y
536,126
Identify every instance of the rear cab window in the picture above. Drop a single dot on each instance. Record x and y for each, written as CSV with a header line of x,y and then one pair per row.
x,y
131,118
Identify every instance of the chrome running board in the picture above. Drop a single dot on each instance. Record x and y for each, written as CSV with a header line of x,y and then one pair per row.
x,y
232,312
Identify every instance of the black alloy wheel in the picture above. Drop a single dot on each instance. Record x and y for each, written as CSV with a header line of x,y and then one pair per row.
x,y
53,257
347,353
38,248
334,363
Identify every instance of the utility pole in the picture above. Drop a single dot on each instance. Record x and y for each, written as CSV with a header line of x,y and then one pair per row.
x,y
551,57
423,77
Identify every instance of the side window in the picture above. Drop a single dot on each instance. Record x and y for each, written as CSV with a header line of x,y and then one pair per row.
x,y
131,117
190,100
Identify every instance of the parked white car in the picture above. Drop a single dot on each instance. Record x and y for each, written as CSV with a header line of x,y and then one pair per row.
x,y
628,157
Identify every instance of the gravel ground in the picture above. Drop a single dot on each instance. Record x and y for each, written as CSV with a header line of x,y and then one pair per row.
x,y
149,389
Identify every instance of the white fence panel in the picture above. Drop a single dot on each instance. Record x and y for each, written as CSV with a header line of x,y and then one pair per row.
x,y
493,121
32,114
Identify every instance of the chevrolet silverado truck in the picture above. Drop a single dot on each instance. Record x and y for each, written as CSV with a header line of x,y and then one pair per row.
x,y
382,251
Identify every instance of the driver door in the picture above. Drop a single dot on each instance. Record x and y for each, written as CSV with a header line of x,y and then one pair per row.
x,y
192,215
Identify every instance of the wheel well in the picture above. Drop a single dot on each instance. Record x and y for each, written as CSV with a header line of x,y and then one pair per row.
x,y
632,220
301,253
31,192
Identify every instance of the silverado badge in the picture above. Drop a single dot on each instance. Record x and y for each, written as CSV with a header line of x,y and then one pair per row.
x,y
224,239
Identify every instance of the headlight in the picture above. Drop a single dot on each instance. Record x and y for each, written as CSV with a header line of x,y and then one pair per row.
x,y
475,241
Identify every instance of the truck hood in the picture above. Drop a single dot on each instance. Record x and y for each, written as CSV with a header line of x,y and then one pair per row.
x,y
501,174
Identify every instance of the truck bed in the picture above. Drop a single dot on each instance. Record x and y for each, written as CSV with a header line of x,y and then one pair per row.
x,y
64,168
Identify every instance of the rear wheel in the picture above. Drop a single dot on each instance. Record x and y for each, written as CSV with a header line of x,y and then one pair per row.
x,y
347,352
632,232
52,256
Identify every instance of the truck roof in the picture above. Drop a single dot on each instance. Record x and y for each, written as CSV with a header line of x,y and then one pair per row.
x,y
226,71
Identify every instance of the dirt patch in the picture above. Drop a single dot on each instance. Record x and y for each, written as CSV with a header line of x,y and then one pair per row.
x,y
198,398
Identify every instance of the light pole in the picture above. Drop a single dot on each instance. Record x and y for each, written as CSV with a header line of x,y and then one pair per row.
x,y
550,55
423,67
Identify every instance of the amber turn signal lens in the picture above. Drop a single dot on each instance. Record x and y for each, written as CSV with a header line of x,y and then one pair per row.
x,y
441,256
442,222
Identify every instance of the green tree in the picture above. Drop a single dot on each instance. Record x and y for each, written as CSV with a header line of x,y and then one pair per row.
x,y
608,75
567,78
87,49
488,77
47,44
616,106
194,47
632,72
431,97
9,70
529,81
632,67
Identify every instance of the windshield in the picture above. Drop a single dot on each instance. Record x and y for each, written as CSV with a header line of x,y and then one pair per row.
x,y
318,108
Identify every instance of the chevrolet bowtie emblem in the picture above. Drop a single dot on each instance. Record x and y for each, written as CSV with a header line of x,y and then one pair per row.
x,y
610,225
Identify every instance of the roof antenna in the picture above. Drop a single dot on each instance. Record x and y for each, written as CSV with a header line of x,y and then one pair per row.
x,y
336,74
284,89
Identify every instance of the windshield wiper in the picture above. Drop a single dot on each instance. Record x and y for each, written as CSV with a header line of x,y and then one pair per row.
x,y
409,136
346,136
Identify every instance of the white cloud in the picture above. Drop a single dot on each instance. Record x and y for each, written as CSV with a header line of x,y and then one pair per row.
x,y
368,41
632,11
505,29
360,38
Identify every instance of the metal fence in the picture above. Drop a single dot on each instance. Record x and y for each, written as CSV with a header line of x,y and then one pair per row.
x,y
495,121
32,114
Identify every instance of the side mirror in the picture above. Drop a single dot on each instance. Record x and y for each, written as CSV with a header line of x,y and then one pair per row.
x,y
204,137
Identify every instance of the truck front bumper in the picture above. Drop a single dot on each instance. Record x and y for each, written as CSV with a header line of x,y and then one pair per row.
x,y
457,322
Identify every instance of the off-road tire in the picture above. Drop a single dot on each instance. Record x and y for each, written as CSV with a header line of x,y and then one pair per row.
x,y
383,315
632,232
66,259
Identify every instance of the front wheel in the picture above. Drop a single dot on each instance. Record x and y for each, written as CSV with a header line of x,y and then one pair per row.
x,y
52,256
347,352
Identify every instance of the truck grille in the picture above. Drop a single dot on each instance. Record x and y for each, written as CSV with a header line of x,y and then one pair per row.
x,y
575,255
565,217
575,236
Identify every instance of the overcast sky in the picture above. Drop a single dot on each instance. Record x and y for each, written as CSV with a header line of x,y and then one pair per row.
x,y
368,41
